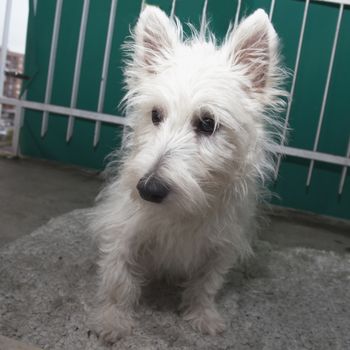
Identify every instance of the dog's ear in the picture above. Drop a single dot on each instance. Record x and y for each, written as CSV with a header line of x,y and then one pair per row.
x,y
155,38
253,46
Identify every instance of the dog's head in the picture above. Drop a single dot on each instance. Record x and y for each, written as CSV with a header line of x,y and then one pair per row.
x,y
198,110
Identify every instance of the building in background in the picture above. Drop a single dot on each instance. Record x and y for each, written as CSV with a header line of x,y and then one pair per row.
x,y
12,85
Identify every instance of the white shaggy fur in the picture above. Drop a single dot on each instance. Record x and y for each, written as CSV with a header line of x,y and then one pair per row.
x,y
207,221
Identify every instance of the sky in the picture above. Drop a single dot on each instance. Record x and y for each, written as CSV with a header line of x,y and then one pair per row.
x,y
18,24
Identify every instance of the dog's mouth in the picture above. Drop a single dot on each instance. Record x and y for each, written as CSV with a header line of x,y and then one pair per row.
x,y
152,189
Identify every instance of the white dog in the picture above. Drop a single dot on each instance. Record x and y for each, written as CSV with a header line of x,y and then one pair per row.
x,y
197,153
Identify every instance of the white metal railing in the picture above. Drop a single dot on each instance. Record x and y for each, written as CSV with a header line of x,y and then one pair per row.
x,y
99,117
49,108
339,2
101,96
77,68
314,155
294,79
52,63
325,93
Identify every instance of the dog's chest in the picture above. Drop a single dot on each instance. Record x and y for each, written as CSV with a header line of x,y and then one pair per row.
x,y
178,253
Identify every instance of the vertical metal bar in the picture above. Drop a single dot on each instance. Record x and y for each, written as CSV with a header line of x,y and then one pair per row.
x,y
5,38
325,94
272,7
35,5
172,12
77,67
291,94
143,4
23,97
16,130
238,10
52,63
103,83
344,172
204,18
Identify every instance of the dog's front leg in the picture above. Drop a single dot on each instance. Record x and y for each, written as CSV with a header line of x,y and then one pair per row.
x,y
119,291
198,299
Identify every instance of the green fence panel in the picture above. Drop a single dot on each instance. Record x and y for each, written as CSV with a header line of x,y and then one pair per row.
x,y
322,195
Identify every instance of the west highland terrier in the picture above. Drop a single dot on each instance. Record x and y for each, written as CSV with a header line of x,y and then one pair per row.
x,y
197,151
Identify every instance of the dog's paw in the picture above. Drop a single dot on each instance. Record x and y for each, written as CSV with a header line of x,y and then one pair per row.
x,y
112,324
206,320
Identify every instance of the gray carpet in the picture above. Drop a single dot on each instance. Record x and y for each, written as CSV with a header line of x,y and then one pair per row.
x,y
284,299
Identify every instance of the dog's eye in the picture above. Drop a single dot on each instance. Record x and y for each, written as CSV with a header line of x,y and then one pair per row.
x,y
157,116
205,125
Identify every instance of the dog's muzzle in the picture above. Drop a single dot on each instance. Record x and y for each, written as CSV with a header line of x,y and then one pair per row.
x,y
152,189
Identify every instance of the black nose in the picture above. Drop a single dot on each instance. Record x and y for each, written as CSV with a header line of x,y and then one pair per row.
x,y
152,189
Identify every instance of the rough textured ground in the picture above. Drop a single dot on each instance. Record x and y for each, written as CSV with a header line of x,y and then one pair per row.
x,y
284,299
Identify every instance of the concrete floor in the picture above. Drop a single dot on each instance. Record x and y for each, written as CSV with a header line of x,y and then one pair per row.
x,y
32,192
10,344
